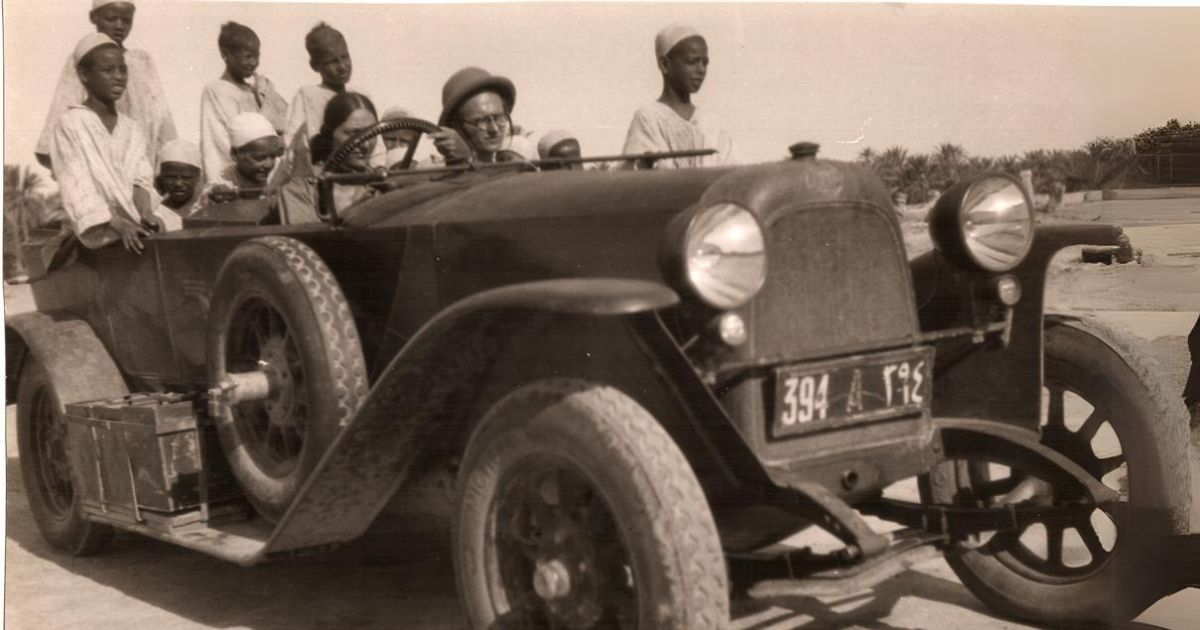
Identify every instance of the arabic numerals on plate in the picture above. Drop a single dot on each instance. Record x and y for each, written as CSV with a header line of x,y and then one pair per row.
x,y
905,380
805,398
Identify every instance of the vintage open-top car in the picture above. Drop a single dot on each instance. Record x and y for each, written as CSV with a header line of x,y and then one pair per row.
x,y
640,379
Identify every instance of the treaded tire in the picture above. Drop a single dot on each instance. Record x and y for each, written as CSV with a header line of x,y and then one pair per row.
x,y
289,283
1153,451
678,578
52,501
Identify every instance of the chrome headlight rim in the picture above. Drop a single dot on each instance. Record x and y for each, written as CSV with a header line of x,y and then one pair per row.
x,y
949,224
681,237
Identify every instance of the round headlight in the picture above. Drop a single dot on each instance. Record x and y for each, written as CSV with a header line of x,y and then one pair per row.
x,y
724,257
987,223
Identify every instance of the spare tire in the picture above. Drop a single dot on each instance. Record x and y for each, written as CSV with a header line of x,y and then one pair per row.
x,y
277,309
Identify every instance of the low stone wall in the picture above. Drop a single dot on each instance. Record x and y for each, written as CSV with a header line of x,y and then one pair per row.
x,y
1175,192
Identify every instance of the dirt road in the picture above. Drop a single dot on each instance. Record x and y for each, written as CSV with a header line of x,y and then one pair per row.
x,y
145,584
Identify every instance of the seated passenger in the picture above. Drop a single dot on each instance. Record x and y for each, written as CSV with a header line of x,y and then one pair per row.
x,y
562,145
99,155
397,143
256,149
345,115
477,122
179,179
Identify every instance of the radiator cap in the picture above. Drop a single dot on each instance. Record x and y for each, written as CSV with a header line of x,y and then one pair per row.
x,y
802,150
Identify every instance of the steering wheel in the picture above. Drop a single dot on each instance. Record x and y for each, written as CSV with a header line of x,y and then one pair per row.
x,y
396,124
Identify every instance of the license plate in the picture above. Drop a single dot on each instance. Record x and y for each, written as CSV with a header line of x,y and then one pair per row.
x,y
849,390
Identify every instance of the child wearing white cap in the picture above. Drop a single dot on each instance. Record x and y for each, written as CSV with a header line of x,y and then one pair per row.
x,y
559,144
672,123
256,148
100,158
397,143
143,100
240,89
179,179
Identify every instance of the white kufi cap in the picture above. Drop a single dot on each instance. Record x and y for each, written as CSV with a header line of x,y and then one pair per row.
x,y
89,43
248,127
96,4
551,139
395,112
180,151
670,36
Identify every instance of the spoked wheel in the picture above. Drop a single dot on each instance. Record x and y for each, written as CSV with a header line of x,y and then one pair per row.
x,y
46,469
552,525
1098,413
577,511
281,327
272,428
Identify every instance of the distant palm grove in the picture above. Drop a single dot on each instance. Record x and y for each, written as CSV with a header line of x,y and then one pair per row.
x,y
1169,154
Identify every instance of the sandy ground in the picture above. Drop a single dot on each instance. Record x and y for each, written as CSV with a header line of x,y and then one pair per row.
x,y
142,583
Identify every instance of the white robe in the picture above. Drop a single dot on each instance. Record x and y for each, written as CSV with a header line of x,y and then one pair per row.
x,y
143,102
308,110
224,99
657,128
97,172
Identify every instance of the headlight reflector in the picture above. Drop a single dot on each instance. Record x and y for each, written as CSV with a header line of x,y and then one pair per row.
x,y
725,259
987,223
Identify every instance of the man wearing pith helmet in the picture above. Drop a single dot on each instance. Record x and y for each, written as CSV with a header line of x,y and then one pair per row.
x,y
673,123
476,119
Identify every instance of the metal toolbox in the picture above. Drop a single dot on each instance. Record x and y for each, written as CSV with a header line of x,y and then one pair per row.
x,y
136,454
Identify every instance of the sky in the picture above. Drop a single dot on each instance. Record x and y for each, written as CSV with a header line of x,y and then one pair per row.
x,y
994,79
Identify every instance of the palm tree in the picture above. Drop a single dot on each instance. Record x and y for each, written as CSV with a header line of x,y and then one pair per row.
x,y
915,177
890,164
22,209
867,156
949,162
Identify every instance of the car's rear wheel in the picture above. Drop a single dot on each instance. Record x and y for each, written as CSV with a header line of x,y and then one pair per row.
x,y
46,469
1098,413
278,311
577,510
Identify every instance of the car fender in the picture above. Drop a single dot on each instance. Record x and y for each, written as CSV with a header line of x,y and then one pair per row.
x,y
427,396
79,366
993,380
1137,353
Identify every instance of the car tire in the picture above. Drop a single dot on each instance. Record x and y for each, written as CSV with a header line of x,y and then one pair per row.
x,y
277,308
1006,575
46,469
578,481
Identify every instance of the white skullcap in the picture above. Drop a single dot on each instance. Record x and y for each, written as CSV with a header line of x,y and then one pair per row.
x,y
89,43
180,151
395,112
670,36
552,138
248,127
96,4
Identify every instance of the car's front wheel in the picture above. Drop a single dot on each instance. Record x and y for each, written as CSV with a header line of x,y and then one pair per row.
x,y
577,510
1098,413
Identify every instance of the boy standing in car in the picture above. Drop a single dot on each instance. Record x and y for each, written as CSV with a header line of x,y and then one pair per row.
x,y
99,155
240,89
672,123
143,99
328,56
